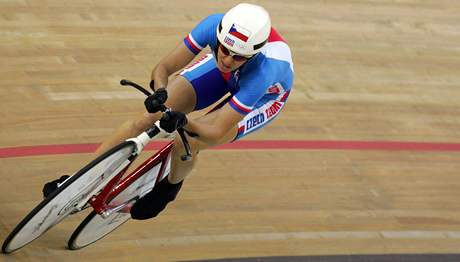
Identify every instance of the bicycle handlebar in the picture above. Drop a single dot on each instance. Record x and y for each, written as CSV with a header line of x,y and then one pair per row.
x,y
125,82
154,130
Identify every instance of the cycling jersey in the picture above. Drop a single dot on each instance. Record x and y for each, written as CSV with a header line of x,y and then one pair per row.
x,y
259,88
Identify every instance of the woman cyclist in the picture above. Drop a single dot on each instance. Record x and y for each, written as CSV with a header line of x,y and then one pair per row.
x,y
249,60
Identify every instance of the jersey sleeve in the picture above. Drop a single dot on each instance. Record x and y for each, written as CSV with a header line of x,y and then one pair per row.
x,y
252,89
203,34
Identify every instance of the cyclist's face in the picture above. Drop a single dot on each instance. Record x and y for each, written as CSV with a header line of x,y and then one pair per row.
x,y
227,62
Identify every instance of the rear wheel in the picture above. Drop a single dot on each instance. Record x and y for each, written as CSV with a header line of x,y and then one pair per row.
x,y
71,196
95,227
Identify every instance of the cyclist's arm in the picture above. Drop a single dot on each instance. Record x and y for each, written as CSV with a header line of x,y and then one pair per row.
x,y
215,128
177,59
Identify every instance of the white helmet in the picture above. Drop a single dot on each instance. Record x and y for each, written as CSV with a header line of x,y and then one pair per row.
x,y
244,29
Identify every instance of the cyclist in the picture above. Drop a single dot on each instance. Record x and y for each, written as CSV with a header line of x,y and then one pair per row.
x,y
249,59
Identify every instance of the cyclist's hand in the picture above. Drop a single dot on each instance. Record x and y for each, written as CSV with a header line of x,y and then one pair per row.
x,y
154,103
171,121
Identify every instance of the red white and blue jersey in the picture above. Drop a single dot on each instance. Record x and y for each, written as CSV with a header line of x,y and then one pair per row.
x,y
267,76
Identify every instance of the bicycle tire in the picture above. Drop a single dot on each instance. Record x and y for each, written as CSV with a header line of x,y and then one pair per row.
x,y
94,227
63,201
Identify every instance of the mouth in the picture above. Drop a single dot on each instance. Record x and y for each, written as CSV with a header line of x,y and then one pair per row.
x,y
224,67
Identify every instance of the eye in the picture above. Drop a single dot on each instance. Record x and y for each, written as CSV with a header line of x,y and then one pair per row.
x,y
239,58
224,50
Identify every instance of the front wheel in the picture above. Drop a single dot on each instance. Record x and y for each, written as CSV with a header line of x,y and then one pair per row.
x,y
70,196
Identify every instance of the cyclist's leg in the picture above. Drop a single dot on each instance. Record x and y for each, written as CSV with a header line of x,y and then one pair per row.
x,y
269,108
180,169
181,97
197,87
209,86
166,190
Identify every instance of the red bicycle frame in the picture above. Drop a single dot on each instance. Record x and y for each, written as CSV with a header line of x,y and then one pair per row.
x,y
115,186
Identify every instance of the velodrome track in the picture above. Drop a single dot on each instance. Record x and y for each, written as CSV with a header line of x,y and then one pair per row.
x,y
364,160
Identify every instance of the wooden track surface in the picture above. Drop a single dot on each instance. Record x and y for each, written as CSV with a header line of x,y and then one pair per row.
x,y
365,71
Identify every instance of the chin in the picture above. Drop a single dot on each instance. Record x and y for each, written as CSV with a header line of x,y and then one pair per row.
x,y
224,70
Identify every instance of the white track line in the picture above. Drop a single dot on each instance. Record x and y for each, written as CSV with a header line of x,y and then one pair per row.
x,y
340,235
97,95
59,96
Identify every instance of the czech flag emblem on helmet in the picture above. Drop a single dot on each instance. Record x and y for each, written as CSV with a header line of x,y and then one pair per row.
x,y
239,32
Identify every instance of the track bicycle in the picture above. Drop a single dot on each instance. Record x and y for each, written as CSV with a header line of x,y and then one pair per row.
x,y
101,184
